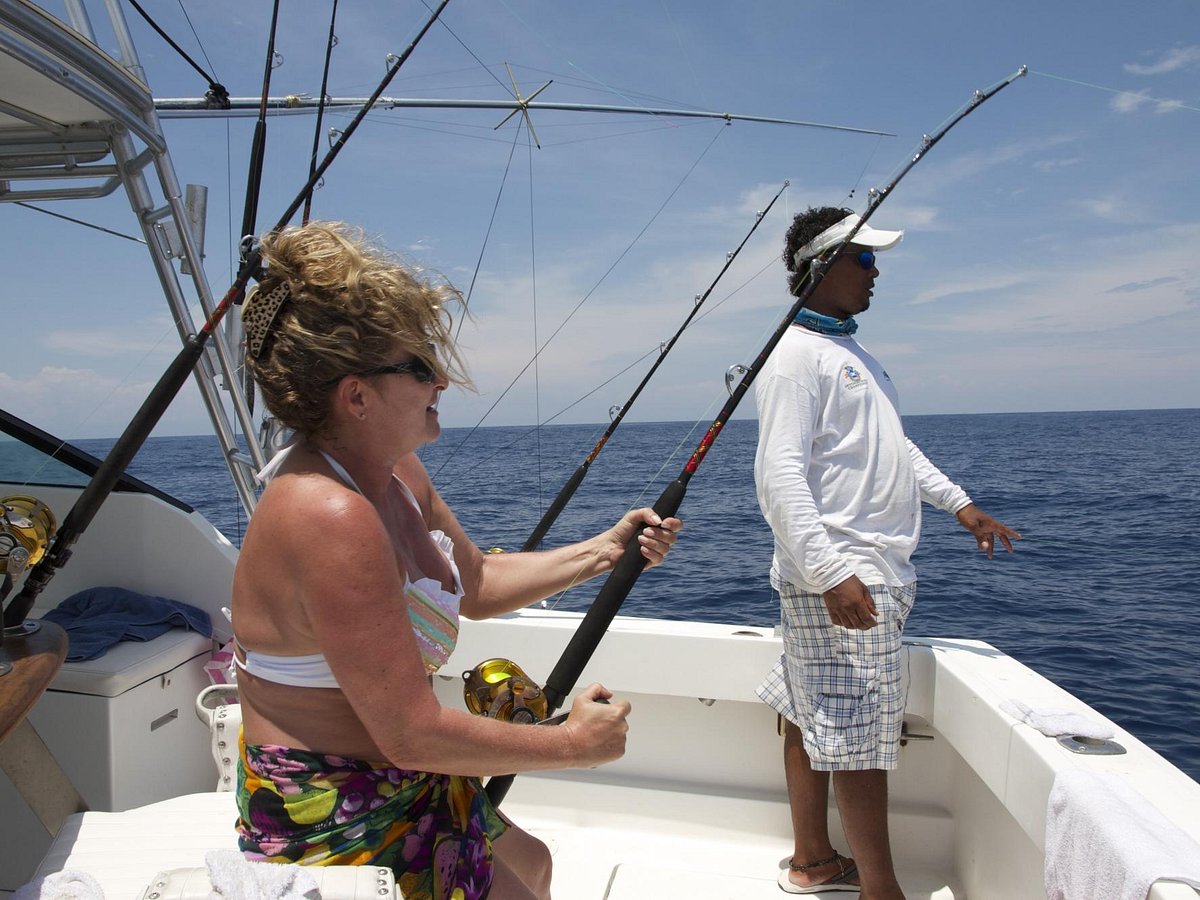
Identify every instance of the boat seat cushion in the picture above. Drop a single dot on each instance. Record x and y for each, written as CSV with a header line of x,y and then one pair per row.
x,y
130,663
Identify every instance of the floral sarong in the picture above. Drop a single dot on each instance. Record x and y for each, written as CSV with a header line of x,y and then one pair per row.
x,y
434,831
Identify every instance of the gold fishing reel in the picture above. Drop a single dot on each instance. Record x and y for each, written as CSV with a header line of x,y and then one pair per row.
x,y
27,526
500,689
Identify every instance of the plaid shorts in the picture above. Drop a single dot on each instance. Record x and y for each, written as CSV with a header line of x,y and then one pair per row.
x,y
843,688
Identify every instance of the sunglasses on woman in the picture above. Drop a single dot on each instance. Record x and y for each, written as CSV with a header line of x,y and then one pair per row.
x,y
417,368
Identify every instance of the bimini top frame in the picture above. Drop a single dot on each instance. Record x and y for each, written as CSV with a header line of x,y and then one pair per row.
x,y
77,123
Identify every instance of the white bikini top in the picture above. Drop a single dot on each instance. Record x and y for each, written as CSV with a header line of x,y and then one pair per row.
x,y
432,610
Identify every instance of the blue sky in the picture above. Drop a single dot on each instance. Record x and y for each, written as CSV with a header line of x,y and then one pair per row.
x,y
1049,262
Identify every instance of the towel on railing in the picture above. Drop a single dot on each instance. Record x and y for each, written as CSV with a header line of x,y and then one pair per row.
x,y
234,877
1104,839
68,884
1055,722
99,617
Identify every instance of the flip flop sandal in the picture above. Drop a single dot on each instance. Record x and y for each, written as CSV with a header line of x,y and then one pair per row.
x,y
839,882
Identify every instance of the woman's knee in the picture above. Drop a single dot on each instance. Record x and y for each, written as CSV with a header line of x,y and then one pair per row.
x,y
528,858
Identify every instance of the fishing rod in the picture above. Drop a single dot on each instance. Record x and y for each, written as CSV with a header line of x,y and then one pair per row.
x,y
127,445
258,144
329,45
568,490
628,569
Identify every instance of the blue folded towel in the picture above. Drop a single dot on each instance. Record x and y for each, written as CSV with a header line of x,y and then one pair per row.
x,y
99,617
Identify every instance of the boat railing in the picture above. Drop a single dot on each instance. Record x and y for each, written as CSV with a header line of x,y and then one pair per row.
x,y
79,123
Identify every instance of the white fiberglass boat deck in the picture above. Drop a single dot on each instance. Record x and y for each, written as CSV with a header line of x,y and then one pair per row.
x,y
697,807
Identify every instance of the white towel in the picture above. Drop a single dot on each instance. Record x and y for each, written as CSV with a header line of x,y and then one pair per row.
x,y
1104,839
1055,722
69,884
234,877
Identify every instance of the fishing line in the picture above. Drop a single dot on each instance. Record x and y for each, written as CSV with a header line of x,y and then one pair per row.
x,y
656,349
753,278
531,30
1136,95
128,237
568,489
482,65
474,276
172,328
669,126
423,125
485,132
679,42
683,442
866,165
537,376
586,296
488,234
445,482
589,85
216,94
199,43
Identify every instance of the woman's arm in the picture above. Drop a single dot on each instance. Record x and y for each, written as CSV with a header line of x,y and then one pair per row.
x,y
496,583
353,597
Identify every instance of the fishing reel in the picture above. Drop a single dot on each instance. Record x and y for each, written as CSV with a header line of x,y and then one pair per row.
x,y
500,689
27,526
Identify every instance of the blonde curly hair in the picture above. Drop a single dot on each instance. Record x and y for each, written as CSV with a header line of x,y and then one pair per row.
x,y
349,303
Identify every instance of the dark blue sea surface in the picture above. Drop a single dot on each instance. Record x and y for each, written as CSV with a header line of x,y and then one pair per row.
x,y
1101,596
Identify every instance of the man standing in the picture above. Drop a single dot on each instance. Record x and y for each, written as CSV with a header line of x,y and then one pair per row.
x,y
841,487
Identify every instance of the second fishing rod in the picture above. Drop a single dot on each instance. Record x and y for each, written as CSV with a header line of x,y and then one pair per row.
x,y
568,490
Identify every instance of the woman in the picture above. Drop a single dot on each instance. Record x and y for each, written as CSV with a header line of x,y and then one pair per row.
x,y
351,578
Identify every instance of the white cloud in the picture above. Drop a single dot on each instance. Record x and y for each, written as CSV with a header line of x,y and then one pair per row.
x,y
973,166
110,344
1129,101
1109,209
74,403
1166,106
913,217
1132,101
986,283
1171,61
1055,165
1125,284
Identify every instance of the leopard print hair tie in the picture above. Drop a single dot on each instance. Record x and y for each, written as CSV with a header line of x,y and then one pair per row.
x,y
259,313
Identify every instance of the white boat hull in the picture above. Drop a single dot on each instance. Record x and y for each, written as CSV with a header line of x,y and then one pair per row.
x,y
697,807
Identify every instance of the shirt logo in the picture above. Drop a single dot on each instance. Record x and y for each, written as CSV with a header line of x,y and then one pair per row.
x,y
852,378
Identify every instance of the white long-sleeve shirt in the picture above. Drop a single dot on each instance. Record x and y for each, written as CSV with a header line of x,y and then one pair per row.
x,y
837,480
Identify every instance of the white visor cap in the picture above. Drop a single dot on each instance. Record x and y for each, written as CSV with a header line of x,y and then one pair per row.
x,y
875,238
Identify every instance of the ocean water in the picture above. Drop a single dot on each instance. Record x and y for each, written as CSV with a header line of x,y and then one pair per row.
x,y
1101,594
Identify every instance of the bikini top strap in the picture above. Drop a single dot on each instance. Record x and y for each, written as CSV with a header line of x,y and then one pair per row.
x,y
340,470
